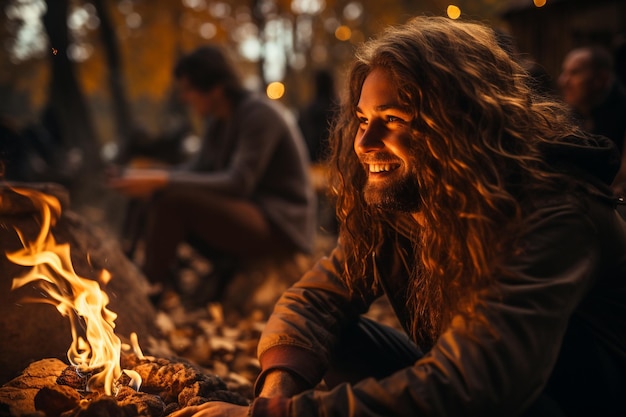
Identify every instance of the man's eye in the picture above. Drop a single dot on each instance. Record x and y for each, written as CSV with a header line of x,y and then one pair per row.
x,y
394,119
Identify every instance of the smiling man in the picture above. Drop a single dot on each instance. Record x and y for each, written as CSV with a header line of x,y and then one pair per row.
x,y
475,207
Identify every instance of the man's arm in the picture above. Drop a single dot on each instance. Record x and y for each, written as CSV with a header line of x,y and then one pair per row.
x,y
141,183
306,321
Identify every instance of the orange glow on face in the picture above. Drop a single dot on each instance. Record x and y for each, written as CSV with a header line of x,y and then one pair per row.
x,y
95,347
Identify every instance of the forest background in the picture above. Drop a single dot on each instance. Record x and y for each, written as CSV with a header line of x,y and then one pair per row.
x,y
91,80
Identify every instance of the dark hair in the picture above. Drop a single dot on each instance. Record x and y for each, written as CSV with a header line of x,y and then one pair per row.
x,y
207,67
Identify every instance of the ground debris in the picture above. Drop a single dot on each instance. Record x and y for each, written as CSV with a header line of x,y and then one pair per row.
x,y
168,385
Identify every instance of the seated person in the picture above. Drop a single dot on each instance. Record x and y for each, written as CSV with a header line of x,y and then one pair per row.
x,y
247,193
590,86
467,199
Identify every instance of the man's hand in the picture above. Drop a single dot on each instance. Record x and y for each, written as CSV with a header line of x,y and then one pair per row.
x,y
139,182
213,409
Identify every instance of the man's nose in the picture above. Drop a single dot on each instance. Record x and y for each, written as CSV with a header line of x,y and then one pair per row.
x,y
371,139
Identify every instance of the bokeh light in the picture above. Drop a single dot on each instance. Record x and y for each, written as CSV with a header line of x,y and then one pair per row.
x,y
208,30
454,12
133,20
275,90
540,3
343,33
310,7
353,10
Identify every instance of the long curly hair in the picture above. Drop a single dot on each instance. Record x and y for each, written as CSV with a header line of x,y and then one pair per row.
x,y
480,126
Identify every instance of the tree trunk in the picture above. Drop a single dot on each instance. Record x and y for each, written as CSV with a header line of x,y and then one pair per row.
x,y
259,19
121,108
67,107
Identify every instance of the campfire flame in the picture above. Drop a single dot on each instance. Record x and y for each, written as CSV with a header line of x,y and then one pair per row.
x,y
95,348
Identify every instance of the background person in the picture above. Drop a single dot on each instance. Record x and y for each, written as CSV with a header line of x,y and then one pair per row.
x,y
589,84
246,194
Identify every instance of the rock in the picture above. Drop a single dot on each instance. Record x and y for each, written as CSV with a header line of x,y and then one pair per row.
x,y
17,397
17,402
55,399
38,391
39,374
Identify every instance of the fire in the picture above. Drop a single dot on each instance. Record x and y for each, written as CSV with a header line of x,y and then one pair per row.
x,y
95,348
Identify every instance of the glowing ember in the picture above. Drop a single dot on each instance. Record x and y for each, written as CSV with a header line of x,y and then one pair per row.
x,y
95,347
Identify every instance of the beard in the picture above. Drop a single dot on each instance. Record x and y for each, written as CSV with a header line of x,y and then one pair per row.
x,y
394,194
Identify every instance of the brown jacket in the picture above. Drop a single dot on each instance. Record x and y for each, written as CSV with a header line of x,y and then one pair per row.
x,y
573,267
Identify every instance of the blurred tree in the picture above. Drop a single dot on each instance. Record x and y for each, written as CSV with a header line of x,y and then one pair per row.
x,y
121,109
67,117
135,43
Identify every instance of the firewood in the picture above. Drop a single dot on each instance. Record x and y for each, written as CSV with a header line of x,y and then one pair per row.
x,y
55,399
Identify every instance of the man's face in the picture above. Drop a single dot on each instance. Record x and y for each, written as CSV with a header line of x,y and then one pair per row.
x,y
383,145
203,103
578,83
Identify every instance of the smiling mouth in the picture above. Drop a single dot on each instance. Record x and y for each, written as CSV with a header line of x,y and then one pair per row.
x,y
379,168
